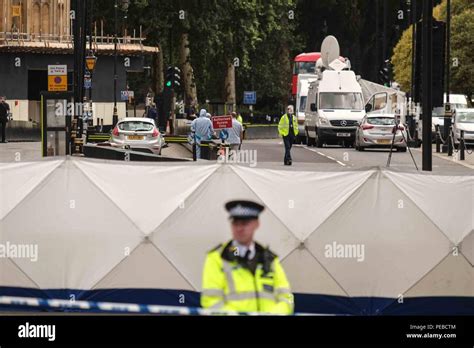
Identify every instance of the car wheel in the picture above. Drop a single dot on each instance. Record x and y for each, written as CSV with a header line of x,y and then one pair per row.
x,y
361,148
402,149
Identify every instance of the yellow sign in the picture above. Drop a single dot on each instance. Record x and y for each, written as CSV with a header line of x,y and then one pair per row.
x,y
57,78
16,11
57,83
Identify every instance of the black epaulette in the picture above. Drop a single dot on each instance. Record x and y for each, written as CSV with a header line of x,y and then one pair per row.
x,y
267,259
215,249
266,251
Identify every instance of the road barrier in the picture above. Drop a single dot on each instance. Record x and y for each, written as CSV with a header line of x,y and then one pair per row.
x,y
22,131
261,131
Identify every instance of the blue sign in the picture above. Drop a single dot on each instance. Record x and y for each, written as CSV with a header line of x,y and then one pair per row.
x,y
87,83
124,95
250,98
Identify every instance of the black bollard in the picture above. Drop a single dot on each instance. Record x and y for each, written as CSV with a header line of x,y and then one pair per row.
x,y
438,140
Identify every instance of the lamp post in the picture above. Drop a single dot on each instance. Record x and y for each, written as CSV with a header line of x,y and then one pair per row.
x,y
125,4
427,83
91,61
447,118
115,115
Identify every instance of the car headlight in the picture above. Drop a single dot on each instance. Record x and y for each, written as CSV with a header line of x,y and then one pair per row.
x,y
323,120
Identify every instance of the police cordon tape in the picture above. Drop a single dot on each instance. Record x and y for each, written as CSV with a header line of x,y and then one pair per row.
x,y
130,308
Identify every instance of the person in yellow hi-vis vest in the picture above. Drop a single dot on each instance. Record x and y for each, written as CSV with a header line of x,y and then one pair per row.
x,y
242,275
288,129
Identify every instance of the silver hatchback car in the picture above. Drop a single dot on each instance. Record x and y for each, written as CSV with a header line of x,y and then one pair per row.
x,y
376,131
137,134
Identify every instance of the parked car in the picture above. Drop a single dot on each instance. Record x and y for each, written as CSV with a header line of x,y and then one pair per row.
x,y
376,131
463,121
138,134
457,101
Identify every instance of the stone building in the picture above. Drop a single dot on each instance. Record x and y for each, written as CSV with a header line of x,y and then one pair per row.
x,y
36,18
37,33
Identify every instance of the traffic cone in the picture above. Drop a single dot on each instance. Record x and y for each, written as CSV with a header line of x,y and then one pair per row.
x,y
168,129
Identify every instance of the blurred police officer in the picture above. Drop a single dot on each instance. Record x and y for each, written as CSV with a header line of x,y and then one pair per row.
x,y
288,129
242,275
4,113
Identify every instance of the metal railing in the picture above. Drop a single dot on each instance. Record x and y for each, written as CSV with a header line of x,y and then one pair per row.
x,y
18,38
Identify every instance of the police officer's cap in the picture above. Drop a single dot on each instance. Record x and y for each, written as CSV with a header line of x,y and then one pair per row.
x,y
244,210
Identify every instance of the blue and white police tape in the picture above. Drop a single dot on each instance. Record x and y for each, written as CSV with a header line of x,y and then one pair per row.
x,y
130,308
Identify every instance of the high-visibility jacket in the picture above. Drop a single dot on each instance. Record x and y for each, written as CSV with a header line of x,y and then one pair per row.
x,y
231,283
284,125
241,121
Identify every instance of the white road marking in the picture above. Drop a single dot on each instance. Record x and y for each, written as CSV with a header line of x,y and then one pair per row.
x,y
328,157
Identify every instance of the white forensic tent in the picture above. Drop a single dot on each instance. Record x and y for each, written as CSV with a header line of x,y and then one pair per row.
x,y
121,232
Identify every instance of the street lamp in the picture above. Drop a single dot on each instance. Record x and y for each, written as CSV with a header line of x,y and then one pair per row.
x,y
125,4
115,115
91,61
448,115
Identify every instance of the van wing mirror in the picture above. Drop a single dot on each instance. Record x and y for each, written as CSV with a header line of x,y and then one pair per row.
x,y
368,108
313,107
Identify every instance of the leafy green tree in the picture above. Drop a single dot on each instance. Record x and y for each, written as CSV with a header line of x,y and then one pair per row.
x,y
462,41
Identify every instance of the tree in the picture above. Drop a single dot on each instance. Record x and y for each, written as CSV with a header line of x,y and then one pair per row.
x,y
401,60
462,40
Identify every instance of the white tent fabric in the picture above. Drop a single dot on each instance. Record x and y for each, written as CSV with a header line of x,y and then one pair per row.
x,y
371,218
106,227
450,206
18,180
284,195
467,247
120,184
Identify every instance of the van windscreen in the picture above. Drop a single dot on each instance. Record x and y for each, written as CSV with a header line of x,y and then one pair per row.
x,y
302,104
346,101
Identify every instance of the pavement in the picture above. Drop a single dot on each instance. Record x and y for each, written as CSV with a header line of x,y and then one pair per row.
x,y
468,161
269,154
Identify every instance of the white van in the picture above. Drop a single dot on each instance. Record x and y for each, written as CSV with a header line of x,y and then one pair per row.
x,y
304,81
334,109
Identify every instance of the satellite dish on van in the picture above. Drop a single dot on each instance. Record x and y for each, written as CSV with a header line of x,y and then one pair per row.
x,y
330,50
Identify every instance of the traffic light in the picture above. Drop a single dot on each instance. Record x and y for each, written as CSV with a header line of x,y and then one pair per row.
x,y
438,63
173,78
386,73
